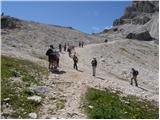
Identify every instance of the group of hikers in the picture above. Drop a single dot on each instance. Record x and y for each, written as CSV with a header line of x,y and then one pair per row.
x,y
54,55
53,58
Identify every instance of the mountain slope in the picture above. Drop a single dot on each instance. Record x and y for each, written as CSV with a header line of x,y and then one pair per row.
x,y
34,38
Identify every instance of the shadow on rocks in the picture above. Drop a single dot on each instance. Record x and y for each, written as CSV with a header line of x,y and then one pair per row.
x,y
79,70
100,78
58,72
142,88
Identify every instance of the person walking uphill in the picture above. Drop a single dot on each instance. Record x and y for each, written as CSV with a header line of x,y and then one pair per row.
x,y
75,60
49,54
69,51
65,47
94,65
60,48
79,44
134,76
82,44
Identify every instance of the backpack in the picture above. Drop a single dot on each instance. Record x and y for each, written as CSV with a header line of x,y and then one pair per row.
x,y
135,72
75,59
94,62
49,51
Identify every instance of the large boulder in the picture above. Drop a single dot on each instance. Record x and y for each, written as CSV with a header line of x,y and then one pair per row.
x,y
145,36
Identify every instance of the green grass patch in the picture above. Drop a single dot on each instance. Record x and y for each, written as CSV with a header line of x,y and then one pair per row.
x,y
28,74
107,105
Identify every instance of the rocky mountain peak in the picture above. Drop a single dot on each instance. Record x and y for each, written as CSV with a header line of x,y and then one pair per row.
x,y
139,12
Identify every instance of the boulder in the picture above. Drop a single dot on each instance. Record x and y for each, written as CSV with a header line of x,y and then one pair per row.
x,y
144,36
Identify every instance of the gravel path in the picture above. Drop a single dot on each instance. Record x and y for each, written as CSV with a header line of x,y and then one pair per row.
x,y
70,85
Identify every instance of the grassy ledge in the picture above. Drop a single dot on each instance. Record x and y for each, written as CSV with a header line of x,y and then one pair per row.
x,y
107,105
16,76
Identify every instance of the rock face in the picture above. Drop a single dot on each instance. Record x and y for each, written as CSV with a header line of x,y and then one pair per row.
x,y
140,21
140,12
145,36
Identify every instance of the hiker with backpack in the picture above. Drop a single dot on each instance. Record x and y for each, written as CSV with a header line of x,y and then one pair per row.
x,y
79,44
69,51
82,44
134,76
75,60
94,65
50,56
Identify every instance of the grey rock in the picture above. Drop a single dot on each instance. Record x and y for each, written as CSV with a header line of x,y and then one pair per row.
x,y
32,115
139,12
141,20
118,22
36,99
6,99
39,89
91,107
145,36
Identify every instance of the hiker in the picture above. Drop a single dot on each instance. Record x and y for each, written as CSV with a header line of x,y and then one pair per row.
x,y
82,44
75,60
94,65
79,44
65,46
50,56
134,76
69,51
60,48
57,57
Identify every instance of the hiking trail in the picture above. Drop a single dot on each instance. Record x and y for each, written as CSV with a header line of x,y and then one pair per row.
x,y
68,86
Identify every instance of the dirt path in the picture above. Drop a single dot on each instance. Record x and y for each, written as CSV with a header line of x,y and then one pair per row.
x,y
66,88
64,98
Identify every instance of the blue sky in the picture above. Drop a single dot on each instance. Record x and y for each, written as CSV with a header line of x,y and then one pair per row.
x,y
87,17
